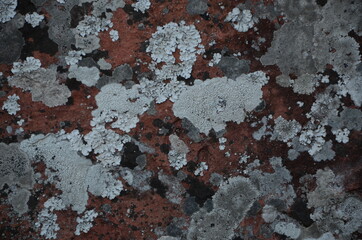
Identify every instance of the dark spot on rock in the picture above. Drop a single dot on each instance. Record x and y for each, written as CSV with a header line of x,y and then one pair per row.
x,y
160,188
135,16
157,123
321,2
148,136
300,212
130,154
107,72
191,166
205,16
72,84
77,13
199,190
340,149
205,75
189,81
237,238
97,54
165,148
25,6
260,107
37,39
143,46
32,203
61,69
65,124
130,22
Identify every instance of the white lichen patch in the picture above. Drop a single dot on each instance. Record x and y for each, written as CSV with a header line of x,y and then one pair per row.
x,y
142,5
285,130
212,103
106,143
34,19
74,57
7,10
341,135
215,59
92,25
114,35
85,222
222,142
166,41
11,105
30,64
314,138
119,106
161,91
42,83
47,222
177,155
242,20
201,168
306,83
71,173
88,76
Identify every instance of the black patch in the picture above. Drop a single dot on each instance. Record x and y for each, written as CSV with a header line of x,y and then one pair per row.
x,y
130,153
70,101
65,124
199,190
301,213
73,84
161,189
205,16
130,22
189,81
37,39
32,203
157,123
77,13
144,46
97,54
168,126
60,69
212,136
260,107
340,149
205,75
25,6
333,76
148,136
191,166
107,72
321,2
135,15
237,238
165,148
